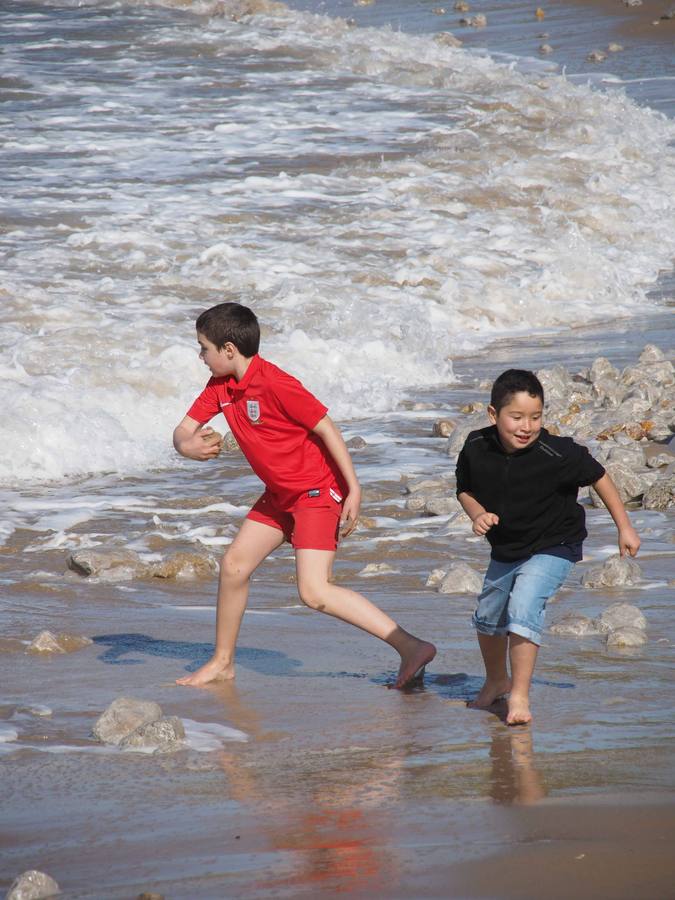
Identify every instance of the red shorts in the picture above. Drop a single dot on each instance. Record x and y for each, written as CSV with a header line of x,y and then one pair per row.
x,y
312,523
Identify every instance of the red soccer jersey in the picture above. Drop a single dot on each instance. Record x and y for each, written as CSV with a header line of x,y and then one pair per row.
x,y
271,415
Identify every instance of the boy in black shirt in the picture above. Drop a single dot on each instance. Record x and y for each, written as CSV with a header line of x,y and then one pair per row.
x,y
518,484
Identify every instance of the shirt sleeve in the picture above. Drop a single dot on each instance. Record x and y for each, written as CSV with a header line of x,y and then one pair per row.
x,y
297,402
206,406
585,469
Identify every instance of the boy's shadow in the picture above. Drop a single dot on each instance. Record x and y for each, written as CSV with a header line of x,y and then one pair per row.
x,y
267,662
460,686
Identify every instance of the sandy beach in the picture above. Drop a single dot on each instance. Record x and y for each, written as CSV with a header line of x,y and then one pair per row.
x,y
308,776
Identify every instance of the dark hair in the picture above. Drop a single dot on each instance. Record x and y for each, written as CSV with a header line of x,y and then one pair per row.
x,y
231,323
511,382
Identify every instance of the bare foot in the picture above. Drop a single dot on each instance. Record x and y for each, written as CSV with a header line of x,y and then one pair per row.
x,y
490,693
519,711
211,671
412,660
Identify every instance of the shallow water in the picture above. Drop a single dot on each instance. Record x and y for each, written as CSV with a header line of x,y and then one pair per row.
x,y
347,180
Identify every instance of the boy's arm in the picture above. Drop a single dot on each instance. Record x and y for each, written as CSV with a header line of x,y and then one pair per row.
x,y
329,433
629,542
196,441
481,520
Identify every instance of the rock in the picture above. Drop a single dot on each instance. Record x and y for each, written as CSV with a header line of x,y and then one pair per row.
x,y
447,39
545,48
230,444
575,624
356,443
539,13
629,484
426,485
444,427
631,457
614,48
184,565
602,368
150,895
462,6
33,885
48,642
457,438
442,506
621,615
461,579
438,10
617,571
632,2
626,637
608,392
479,21
661,372
470,408
123,716
416,503
436,576
101,562
659,458
373,569
165,735
661,495
557,384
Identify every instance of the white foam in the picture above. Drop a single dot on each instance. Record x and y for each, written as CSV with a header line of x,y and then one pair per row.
x,y
207,736
7,733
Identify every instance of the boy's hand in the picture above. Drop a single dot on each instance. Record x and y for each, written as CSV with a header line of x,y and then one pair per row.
x,y
350,513
204,444
484,522
629,541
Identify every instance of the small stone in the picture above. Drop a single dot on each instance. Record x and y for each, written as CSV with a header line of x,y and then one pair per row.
x,y
462,6
165,735
479,21
444,427
617,571
574,624
447,39
614,48
184,565
356,443
438,10
149,895
436,576
123,716
33,885
45,642
461,579
626,637
442,506
539,13
621,615
470,408
632,2
373,569
545,48
102,562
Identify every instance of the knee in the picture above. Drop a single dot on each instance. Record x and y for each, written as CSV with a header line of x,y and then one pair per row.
x,y
311,595
233,569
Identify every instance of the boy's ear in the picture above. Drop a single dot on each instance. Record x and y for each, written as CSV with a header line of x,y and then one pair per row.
x,y
492,414
229,349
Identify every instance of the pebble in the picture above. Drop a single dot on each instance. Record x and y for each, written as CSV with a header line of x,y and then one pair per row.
x,y
596,56
33,885
48,642
546,48
124,715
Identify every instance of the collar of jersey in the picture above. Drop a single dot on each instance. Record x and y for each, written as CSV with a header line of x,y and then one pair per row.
x,y
238,388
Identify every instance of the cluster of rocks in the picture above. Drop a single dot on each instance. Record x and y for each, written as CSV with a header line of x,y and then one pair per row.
x,y
116,564
35,885
622,623
139,725
630,413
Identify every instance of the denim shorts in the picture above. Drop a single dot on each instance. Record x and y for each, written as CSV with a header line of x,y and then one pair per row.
x,y
514,595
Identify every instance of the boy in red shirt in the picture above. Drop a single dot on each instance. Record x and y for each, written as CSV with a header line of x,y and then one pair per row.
x,y
311,488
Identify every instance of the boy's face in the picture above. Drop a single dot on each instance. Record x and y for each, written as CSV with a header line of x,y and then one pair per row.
x,y
219,360
518,421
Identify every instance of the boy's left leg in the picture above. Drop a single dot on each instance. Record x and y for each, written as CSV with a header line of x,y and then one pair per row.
x,y
313,571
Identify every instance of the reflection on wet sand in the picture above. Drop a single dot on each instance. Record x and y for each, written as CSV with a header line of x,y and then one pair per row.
x,y
336,838
514,778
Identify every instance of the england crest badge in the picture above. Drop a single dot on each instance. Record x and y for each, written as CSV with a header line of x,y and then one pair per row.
x,y
253,410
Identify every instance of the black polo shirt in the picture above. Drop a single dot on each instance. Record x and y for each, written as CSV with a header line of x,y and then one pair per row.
x,y
533,491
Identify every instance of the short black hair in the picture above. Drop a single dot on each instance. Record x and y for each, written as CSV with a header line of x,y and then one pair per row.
x,y
231,323
512,382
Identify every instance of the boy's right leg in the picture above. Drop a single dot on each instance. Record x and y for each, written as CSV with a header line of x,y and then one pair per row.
x,y
254,542
493,649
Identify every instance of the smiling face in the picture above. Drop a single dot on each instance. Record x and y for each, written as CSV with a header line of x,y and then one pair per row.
x,y
518,421
220,360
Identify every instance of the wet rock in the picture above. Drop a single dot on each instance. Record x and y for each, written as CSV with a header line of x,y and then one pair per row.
x,y
614,48
33,885
461,579
457,438
626,637
373,569
545,48
356,443
479,21
48,642
660,372
557,384
444,427
416,503
602,368
447,39
438,10
632,2
462,6
617,571
183,565
651,353
123,716
165,735
442,506
426,485
230,445
661,494
436,576
629,484
470,409
119,563
576,625
621,615
608,392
